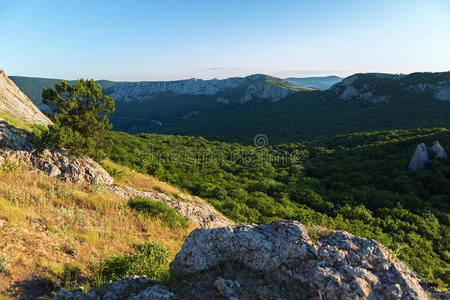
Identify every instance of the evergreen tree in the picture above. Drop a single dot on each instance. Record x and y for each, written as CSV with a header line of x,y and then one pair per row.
x,y
80,118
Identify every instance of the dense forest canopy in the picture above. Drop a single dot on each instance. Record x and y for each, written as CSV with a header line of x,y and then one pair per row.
x,y
357,182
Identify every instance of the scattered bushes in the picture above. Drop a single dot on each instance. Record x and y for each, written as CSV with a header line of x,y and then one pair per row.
x,y
149,259
159,210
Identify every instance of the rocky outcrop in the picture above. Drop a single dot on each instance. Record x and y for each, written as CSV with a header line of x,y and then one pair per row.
x,y
380,87
16,149
440,90
132,288
437,151
422,155
16,104
197,212
264,91
236,89
419,158
340,266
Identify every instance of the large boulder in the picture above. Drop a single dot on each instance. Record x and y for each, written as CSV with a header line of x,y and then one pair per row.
x,y
438,151
340,266
419,158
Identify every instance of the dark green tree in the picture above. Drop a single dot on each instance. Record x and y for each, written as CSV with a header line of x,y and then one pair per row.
x,y
80,115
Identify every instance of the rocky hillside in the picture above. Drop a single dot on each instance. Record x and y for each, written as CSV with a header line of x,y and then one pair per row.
x,y
15,104
279,260
237,89
15,149
379,87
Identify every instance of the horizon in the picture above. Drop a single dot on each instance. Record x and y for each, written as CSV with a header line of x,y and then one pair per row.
x,y
175,40
182,79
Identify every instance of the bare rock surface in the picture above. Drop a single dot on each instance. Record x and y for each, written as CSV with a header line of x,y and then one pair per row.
x,y
133,288
438,151
340,266
16,104
14,148
196,211
419,158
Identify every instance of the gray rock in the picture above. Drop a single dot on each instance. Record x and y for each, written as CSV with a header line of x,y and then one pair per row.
x,y
438,151
54,163
244,88
341,266
16,104
196,211
227,289
156,292
132,287
419,158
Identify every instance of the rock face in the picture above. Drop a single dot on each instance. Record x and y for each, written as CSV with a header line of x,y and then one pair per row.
x,y
133,288
438,151
419,158
16,104
242,89
340,266
379,87
195,211
422,155
15,148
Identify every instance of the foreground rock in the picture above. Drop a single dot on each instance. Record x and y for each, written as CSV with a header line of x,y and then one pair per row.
x,y
133,288
15,149
195,211
340,266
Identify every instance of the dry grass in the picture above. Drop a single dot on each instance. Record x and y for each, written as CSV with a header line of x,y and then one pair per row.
x,y
46,223
124,176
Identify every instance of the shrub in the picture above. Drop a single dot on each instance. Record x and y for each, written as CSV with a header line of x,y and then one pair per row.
x,y
4,259
160,210
149,259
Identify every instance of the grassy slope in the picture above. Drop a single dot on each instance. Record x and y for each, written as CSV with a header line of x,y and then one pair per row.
x,y
46,225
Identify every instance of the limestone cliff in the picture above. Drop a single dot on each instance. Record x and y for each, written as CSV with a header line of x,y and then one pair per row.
x,y
15,104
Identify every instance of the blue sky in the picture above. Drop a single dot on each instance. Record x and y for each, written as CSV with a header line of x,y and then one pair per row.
x,y
165,40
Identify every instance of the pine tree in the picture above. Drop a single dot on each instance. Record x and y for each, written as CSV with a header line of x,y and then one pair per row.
x,y
80,115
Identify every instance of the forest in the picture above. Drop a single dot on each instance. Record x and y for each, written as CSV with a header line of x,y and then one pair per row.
x,y
356,182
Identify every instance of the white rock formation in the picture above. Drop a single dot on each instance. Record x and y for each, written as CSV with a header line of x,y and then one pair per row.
x,y
340,266
16,104
438,151
254,85
419,158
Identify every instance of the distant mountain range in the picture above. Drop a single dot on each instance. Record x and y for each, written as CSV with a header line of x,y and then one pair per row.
x,y
237,109
321,83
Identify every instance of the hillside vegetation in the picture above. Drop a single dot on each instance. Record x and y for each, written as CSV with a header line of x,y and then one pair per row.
x,y
359,183
57,234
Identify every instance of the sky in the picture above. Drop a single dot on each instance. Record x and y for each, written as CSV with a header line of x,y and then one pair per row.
x,y
167,40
